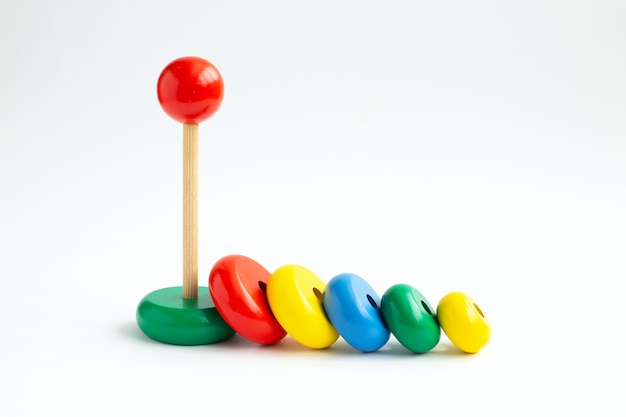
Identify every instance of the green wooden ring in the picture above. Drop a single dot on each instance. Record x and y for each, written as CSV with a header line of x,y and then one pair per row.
x,y
410,318
164,315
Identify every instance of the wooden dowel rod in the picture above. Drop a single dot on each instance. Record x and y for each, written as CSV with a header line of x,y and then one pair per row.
x,y
190,211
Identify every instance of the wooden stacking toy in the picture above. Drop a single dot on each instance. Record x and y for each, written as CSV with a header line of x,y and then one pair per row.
x,y
190,90
243,297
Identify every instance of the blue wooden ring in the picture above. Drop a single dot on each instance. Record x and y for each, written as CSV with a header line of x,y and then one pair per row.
x,y
352,306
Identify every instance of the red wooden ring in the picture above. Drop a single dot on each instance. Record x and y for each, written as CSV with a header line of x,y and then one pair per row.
x,y
237,285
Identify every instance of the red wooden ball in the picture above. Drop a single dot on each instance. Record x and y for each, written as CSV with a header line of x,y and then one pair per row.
x,y
190,89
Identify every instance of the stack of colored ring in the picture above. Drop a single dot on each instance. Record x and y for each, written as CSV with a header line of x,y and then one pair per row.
x,y
264,307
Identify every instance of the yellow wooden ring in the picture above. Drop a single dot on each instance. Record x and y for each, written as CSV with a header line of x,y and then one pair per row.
x,y
294,294
463,322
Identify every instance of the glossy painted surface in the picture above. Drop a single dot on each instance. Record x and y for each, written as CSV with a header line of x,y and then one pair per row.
x,y
190,89
352,306
166,316
463,322
410,318
237,284
294,294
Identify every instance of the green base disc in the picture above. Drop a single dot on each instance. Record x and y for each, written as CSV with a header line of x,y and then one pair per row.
x,y
166,316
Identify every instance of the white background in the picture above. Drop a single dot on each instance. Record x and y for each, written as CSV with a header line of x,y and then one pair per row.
x,y
451,145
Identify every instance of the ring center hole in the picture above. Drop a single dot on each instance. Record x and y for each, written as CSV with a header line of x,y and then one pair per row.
x,y
479,310
426,308
263,286
372,301
318,294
